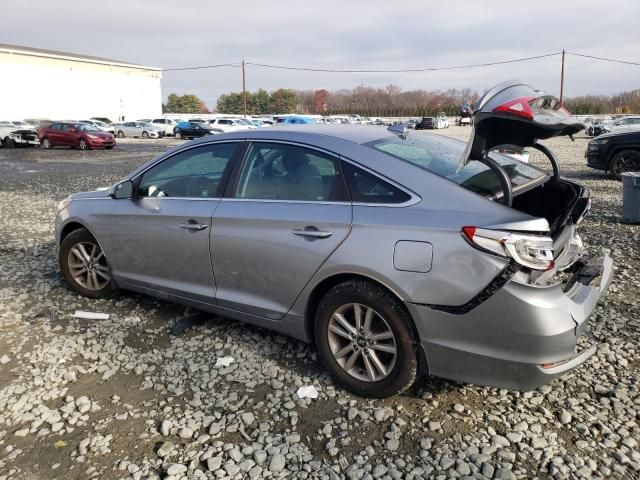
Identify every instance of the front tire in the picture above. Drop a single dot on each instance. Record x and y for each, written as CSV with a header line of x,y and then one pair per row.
x,y
120,134
83,145
46,144
624,161
145,134
178,135
84,265
364,337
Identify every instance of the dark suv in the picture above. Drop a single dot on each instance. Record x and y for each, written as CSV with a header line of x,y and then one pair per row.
x,y
616,153
427,123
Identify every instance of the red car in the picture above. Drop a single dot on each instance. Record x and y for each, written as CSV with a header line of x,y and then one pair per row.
x,y
75,135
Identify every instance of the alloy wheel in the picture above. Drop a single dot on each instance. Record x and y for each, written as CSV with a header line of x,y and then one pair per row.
x,y
83,144
88,266
627,163
46,144
362,342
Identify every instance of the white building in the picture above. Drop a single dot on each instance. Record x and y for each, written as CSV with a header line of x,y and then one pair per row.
x,y
36,83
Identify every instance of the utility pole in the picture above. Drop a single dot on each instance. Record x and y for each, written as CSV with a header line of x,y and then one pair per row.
x,y
244,88
562,79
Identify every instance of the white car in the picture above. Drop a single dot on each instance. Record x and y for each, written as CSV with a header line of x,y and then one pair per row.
x,y
166,124
230,124
12,134
18,124
626,124
137,129
99,125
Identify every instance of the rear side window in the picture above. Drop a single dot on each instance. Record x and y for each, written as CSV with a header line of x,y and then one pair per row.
x,y
368,188
275,171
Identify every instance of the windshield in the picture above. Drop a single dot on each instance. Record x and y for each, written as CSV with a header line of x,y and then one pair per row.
x,y
18,123
85,127
441,155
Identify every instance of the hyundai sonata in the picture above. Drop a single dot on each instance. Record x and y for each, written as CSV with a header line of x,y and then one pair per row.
x,y
394,252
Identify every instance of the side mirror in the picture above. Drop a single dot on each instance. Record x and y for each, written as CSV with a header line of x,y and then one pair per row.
x,y
122,190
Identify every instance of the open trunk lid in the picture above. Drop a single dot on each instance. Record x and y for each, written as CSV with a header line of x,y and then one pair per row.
x,y
513,114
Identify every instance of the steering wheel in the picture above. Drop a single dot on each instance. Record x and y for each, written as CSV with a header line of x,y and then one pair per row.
x,y
199,187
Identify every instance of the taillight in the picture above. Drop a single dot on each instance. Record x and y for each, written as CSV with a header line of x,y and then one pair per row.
x,y
531,251
519,107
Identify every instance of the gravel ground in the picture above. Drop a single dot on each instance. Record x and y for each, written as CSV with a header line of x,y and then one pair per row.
x,y
123,398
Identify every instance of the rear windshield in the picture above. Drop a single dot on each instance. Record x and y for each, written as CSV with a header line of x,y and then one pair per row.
x,y
441,155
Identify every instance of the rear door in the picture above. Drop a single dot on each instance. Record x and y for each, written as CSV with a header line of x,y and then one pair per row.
x,y
66,137
161,237
280,220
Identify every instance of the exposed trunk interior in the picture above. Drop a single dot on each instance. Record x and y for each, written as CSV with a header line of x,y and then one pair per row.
x,y
559,203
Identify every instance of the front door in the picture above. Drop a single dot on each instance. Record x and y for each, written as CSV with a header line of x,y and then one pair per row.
x,y
288,211
161,237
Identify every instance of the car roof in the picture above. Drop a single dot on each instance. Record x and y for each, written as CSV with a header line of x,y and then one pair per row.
x,y
352,133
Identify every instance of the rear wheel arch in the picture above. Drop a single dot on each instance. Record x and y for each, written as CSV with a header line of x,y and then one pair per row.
x,y
323,287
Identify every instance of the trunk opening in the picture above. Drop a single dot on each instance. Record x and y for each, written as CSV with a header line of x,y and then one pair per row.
x,y
560,203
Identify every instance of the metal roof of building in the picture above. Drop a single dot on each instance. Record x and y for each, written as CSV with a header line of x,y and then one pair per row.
x,y
41,52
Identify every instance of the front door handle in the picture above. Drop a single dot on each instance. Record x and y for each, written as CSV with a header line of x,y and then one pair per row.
x,y
311,232
193,226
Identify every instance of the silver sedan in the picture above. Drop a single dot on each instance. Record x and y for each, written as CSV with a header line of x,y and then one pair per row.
x,y
137,129
394,252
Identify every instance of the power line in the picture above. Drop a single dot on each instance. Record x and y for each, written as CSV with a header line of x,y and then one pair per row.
x,y
400,70
604,59
202,67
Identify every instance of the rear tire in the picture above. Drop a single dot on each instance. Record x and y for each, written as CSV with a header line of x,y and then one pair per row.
x,y
377,357
109,148
9,143
624,161
84,265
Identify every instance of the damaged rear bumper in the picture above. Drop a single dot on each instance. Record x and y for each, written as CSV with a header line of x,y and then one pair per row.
x,y
520,338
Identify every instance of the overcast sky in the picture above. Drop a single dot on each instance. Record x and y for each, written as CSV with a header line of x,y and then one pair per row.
x,y
343,34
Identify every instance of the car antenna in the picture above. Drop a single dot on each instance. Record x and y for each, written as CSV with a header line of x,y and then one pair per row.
x,y
401,129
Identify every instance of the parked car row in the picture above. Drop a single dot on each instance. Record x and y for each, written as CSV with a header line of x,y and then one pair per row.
x,y
599,126
432,123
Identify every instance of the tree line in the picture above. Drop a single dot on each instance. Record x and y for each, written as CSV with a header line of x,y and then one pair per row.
x,y
390,101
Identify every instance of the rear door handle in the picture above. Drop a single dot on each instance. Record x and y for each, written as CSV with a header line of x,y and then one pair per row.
x,y
193,226
311,233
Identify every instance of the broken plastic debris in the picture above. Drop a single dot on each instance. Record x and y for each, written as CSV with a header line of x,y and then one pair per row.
x,y
60,444
91,315
308,391
224,361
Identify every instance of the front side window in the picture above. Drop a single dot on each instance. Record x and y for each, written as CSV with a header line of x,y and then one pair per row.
x,y
195,172
289,172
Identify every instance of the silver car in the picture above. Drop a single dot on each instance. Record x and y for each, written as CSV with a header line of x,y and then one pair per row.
x,y
138,129
394,252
